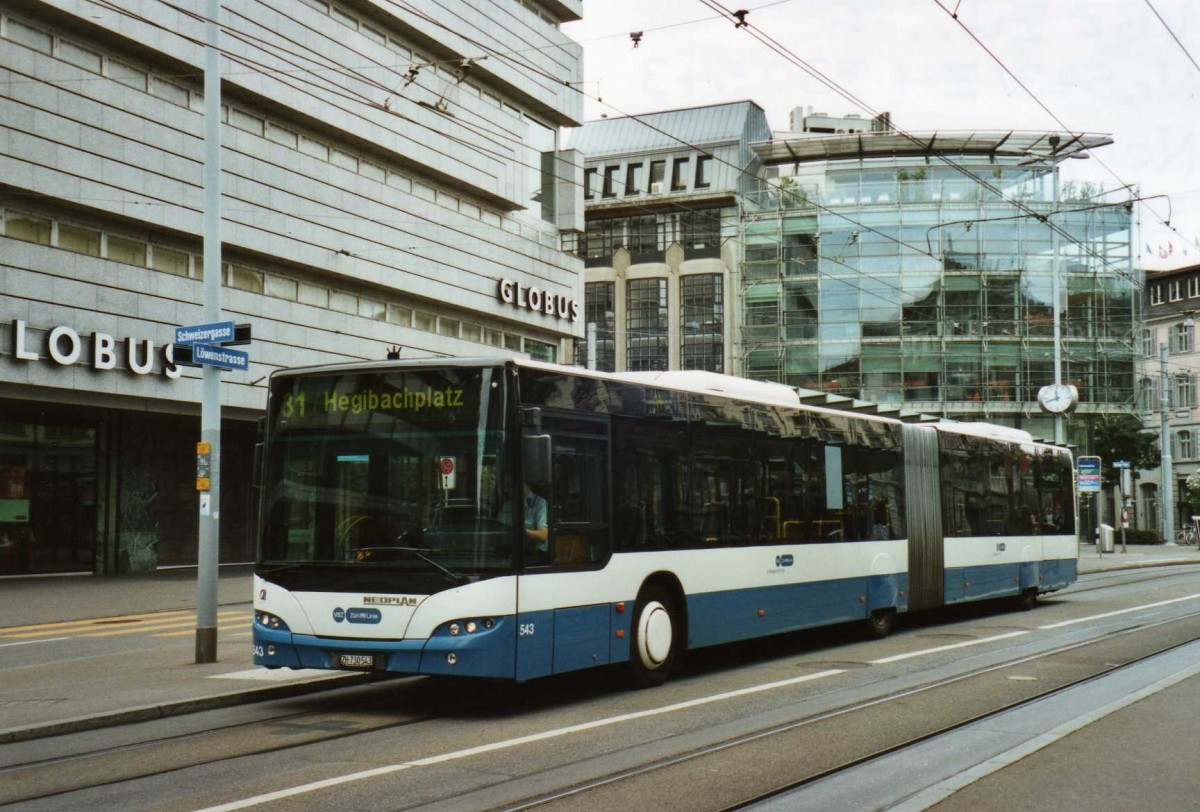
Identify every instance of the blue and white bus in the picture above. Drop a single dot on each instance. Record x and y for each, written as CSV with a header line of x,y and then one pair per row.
x,y
400,517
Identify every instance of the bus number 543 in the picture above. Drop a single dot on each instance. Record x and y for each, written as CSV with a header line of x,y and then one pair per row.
x,y
526,630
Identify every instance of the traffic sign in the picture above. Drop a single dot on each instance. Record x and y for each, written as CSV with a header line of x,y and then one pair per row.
x,y
220,357
1088,474
1121,464
216,333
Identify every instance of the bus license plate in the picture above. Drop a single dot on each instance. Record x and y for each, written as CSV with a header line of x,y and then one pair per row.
x,y
356,660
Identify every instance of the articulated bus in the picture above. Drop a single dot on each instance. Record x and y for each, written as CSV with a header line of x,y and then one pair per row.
x,y
513,519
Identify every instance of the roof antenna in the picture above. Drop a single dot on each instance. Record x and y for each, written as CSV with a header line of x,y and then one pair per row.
x,y
636,36
393,353
741,18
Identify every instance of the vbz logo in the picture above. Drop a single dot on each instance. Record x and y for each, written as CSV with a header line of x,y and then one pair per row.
x,y
784,560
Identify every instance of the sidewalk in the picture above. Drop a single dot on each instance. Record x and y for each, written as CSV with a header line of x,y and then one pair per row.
x,y
60,695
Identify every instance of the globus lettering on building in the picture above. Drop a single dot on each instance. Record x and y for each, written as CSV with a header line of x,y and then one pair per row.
x,y
65,346
530,298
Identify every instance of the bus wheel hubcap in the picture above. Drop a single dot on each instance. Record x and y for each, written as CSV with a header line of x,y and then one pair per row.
x,y
654,635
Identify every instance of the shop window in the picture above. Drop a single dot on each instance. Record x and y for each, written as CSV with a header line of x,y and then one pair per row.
x,y
78,239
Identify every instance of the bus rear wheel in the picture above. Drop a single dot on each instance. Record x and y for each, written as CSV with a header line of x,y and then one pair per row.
x,y
654,644
1028,599
880,622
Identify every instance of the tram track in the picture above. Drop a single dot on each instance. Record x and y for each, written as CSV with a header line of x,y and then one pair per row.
x,y
584,795
340,717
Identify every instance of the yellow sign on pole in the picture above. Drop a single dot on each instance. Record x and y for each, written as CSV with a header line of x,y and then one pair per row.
x,y
203,466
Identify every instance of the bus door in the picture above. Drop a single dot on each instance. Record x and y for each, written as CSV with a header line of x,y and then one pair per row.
x,y
561,625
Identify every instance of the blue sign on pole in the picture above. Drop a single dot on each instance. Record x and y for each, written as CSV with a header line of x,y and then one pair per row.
x,y
220,357
1088,474
216,333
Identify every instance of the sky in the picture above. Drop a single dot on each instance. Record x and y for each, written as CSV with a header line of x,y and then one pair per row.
x,y
1104,66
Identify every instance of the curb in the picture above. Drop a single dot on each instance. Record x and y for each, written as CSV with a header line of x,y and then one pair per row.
x,y
1138,565
149,713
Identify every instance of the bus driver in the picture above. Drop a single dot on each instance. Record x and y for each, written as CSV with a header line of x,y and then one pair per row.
x,y
537,524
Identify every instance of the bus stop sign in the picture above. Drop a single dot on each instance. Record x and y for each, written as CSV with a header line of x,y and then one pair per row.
x,y
1088,474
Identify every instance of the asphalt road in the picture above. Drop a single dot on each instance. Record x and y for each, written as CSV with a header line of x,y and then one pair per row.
x,y
740,721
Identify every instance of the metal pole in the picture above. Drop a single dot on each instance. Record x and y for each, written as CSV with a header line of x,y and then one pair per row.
x,y
210,409
1167,497
1060,433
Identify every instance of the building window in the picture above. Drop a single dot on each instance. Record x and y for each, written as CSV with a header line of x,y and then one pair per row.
x,y
1181,338
658,170
1149,342
1156,294
82,240
701,228
541,351
704,172
646,344
610,181
1185,391
589,184
1185,445
1193,287
679,175
633,179
702,328
27,227
600,309
1148,395
1175,290
642,235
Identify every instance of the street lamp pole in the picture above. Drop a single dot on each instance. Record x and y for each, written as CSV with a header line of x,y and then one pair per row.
x,y
1060,435
1167,494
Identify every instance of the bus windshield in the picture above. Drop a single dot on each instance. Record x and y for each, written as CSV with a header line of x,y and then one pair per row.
x,y
388,471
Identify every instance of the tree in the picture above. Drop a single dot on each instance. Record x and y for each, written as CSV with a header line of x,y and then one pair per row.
x,y
1122,437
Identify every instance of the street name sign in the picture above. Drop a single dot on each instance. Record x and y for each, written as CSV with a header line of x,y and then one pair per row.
x,y
220,357
1088,474
218,332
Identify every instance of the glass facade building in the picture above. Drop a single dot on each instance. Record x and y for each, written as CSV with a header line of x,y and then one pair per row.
x,y
920,271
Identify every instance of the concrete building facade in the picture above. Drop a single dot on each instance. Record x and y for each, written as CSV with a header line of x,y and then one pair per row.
x,y
391,180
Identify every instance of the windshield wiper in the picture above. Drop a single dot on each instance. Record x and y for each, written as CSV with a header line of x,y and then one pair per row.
x,y
420,552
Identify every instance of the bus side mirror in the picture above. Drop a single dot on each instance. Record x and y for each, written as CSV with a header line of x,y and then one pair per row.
x,y
537,451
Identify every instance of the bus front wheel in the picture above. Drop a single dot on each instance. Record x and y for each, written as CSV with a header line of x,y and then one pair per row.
x,y
880,622
654,641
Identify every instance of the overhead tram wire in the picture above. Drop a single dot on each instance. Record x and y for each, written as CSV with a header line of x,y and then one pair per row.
x,y
786,53
1029,92
1182,47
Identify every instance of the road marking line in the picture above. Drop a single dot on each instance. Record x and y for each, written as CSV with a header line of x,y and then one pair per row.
x,y
897,657
1120,612
221,628
508,743
106,627
91,621
43,640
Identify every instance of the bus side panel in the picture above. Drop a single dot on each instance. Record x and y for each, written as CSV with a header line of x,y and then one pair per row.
x,y
723,617
535,644
581,637
486,653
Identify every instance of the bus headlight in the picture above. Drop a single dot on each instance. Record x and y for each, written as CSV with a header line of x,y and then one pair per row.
x,y
471,627
454,630
270,621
